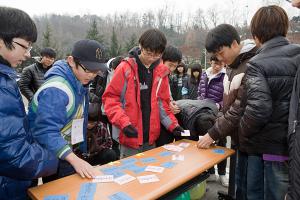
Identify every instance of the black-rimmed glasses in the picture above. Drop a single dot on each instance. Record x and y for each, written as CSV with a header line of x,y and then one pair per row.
x,y
28,49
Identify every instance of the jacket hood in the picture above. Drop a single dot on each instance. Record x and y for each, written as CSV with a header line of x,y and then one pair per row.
x,y
248,51
62,68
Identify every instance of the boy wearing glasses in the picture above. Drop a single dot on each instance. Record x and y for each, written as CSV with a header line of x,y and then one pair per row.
x,y
21,157
137,98
59,109
33,76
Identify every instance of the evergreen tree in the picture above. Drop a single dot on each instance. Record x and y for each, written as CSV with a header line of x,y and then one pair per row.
x,y
93,33
132,42
47,36
115,47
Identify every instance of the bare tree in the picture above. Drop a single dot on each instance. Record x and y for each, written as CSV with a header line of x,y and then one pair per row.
x,y
213,15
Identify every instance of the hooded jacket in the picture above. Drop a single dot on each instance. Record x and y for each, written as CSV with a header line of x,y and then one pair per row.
x,y
234,81
212,89
122,102
21,158
54,106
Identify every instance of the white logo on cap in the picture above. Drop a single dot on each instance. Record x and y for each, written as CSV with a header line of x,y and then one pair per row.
x,y
98,53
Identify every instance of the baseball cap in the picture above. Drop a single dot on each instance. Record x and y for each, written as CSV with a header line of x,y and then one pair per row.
x,y
91,54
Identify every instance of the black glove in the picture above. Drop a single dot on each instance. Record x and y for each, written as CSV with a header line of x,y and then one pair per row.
x,y
130,131
177,131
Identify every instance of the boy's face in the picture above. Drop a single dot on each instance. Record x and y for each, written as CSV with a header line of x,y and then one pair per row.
x,y
148,57
228,54
47,61
171,65
81,72
19,53
217,66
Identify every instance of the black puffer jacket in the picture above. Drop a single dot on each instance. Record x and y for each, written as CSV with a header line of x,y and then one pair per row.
x,y
206,110
269,83
32,79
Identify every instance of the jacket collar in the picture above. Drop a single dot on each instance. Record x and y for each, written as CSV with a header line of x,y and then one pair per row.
x,y
273,43
5,69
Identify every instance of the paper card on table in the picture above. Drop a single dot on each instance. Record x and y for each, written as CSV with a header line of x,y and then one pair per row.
x,y
184,144
57,197
178,157
154,169
219,151
87,191
103,179
165,153
186,133
172,147
148,178
115,171
127,166
129,160
124,179
140,154
168,164
137,169
148,160
120,196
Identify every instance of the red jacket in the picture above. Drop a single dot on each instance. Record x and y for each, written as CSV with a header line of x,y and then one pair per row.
x,y
121,101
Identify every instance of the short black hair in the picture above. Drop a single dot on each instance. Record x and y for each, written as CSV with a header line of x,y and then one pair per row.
x,y
220,36
172,54
15,23
153,40
213,58
48,52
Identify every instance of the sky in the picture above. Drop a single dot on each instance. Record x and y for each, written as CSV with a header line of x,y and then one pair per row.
x,y
104,7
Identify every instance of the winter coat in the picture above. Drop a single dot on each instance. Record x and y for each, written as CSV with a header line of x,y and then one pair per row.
x,y
54,106
178,92
212,89
192,87
21,157
32,79
269,84
294,138
234,81
122,105
190,110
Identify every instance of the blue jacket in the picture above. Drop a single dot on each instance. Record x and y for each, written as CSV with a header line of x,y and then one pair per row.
x,y
21,159
54,106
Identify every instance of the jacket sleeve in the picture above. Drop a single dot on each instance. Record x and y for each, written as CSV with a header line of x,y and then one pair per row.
x,y
227,124
167,117
258,107
51,117
20,156
25,83
112,99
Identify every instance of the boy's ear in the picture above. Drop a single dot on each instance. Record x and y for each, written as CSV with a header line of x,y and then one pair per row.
x,y
234,44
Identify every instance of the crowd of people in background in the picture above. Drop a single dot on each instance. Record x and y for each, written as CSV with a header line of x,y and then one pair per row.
x,y
89,109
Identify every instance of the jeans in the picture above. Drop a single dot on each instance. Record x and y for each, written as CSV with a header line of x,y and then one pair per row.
x,y
128,151
255,181
276,180
241,176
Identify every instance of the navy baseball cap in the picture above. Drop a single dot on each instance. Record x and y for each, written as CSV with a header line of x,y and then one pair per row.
x,y
91,54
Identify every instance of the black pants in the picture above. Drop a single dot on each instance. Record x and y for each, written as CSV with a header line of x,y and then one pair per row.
x,y
165,137
221,165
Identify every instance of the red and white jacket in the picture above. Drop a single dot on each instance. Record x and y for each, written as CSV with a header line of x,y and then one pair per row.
x,y
121,101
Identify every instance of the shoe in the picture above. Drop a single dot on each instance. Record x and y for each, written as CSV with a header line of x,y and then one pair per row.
x,y
212,178
224,180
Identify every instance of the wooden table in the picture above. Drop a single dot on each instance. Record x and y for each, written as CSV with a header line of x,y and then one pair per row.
x,y
196,161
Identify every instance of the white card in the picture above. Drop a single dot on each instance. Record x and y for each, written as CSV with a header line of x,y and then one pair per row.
x,y
172,147
124,179
148,178
154,169
103,179
77,131
186,133
178,157
184,144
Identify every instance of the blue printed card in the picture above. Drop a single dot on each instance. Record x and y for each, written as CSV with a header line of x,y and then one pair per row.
x,y
219,151
87,191
120,196
57,197
168,164
148,160
165,153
